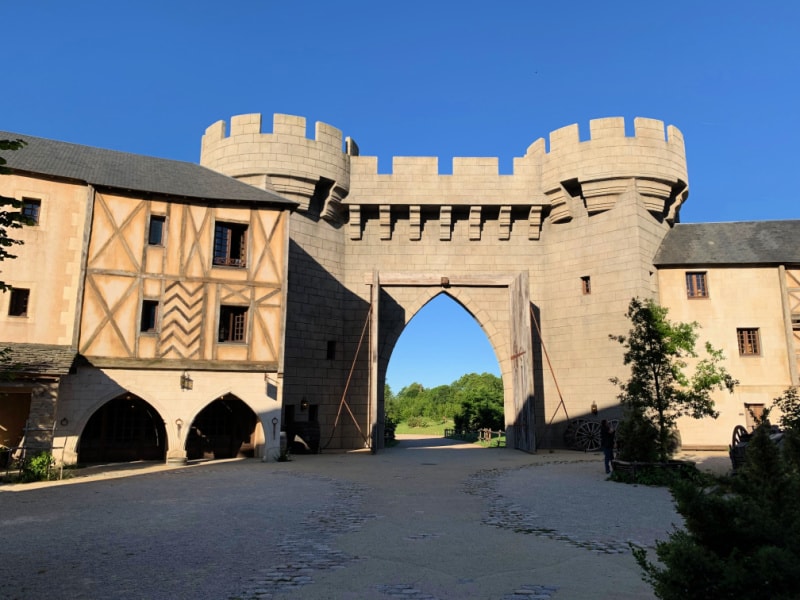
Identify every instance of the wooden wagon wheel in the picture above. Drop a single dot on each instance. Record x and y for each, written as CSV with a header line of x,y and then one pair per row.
x,y
569,434
739,435
587,436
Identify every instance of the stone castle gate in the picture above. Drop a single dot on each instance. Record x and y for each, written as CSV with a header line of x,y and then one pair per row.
x,y
563,242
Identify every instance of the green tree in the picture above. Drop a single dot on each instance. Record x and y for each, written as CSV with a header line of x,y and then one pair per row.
x,y
11,216
658,391
742,533
789,405
480,402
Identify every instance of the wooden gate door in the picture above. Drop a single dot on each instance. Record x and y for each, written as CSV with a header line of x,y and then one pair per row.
x,y
376,419
522,364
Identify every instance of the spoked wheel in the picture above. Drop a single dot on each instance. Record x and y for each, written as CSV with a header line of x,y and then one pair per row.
x,y
570,432
587,436
739,435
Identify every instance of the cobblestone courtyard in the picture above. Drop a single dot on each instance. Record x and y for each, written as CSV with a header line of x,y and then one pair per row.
x,y
426,519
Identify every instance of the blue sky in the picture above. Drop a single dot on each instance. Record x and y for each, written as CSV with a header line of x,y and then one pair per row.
x,y
423,78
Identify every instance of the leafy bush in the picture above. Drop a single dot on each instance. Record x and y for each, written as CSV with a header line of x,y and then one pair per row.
x,y
637,438
37,468
789,405
417,422
389,428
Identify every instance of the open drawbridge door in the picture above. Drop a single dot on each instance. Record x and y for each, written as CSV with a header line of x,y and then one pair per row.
x,y
522,434
376,411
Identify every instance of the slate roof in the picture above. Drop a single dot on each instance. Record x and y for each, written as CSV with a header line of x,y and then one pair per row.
x,y
742,243
131,172
39,359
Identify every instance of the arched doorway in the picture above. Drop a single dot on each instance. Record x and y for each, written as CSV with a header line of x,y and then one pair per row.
x,y
394,293
124,429
441,342
226,428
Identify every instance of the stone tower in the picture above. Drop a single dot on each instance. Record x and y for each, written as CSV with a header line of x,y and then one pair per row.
x,y
576,225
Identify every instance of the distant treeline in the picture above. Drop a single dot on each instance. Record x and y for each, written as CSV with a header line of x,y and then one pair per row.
x,y
472,402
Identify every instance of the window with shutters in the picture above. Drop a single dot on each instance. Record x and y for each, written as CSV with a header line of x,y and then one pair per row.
x,y
230,245
232,324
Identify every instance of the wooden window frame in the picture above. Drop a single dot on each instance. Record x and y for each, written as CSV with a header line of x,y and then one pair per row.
x,y
749,341
586,285
18,302
162,224
232,324
230,244
150,314
697,284
31,210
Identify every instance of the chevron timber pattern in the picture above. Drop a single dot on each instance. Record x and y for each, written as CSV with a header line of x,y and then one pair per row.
x,y
182,320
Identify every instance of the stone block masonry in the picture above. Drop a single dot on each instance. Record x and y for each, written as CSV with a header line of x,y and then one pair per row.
x,y
581,219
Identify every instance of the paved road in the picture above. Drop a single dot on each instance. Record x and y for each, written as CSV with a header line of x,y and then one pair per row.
x,y
428,519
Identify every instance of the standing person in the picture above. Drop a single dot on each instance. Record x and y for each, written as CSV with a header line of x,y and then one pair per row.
x,y
607,444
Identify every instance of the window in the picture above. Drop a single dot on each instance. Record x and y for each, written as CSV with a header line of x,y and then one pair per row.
x,y
155,235
232,323
149,322
230,245
30,209
753,413
696,286
586,284
18,303
331,353
749,343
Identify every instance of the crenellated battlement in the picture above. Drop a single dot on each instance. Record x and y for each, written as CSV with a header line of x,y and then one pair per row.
x,y
285,160
285,127
596,170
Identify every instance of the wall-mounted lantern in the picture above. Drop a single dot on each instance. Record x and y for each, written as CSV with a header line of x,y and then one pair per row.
x,y
186,382
303,404
594,407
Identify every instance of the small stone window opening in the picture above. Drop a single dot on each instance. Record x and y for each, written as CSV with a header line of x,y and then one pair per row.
x,y
155,234
696,285
586,285
18,302
232,323
331,351
31,207
749,342
230,245
149,322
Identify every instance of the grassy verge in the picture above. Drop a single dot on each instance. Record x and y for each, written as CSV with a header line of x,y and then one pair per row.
x,y
433,429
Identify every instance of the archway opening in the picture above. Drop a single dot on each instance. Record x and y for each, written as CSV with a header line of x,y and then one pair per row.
x,y
124,429
226,428
442,358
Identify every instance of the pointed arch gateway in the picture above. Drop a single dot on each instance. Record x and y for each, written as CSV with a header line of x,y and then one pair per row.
x,y
516,359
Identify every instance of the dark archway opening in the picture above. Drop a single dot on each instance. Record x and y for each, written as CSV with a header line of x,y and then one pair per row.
x,y
124,429
226,428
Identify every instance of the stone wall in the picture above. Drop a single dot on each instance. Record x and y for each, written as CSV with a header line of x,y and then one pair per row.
x,y
595,209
